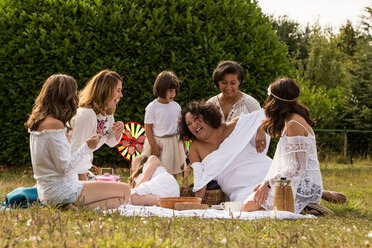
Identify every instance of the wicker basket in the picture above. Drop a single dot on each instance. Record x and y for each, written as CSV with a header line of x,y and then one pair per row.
x,y
283,196
211,197
170,202
186,189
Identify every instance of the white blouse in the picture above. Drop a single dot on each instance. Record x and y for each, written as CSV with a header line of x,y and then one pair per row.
x,y
55,168
87,123
244,105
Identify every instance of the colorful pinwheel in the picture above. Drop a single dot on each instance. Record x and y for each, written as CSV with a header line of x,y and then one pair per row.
x,y
131,144
187,144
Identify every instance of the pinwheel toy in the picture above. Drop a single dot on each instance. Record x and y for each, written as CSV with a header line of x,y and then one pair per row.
x,y
131,143
187,144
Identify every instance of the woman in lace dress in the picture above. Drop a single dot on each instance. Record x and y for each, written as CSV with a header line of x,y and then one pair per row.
x,y
150,181
55,168
95,115
296,155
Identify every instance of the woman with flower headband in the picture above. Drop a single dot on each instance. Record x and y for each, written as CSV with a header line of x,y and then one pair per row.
x,y
296,154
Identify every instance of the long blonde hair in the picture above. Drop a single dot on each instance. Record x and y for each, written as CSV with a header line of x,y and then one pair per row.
x,y
99,91
135,174
57,98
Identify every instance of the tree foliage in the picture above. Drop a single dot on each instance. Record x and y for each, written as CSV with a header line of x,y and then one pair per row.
x,y
138,39
335,74
359,106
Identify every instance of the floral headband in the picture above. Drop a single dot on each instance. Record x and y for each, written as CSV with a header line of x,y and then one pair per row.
x,y
286,100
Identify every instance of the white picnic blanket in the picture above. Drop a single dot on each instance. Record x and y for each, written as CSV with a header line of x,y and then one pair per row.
x,y
131,210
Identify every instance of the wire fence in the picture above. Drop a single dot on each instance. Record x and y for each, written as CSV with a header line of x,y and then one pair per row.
x,y
345,131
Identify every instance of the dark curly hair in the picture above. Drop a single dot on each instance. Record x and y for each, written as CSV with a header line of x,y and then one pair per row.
x,y
210,113
277,110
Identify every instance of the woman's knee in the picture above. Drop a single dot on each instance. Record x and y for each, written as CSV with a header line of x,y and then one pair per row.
x,y
135,198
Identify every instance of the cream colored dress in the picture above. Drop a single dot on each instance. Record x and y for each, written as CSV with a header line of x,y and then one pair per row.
x,y
164,118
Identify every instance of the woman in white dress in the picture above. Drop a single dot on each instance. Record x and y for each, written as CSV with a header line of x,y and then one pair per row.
x,y
151,181
228,77
95,115
55,168
296,154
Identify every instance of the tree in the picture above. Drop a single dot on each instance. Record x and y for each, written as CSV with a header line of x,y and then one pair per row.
x,y
359,107
292,34
326,64
138,39
347,39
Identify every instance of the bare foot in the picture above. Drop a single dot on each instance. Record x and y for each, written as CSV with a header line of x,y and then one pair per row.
x,y
335,197
70,206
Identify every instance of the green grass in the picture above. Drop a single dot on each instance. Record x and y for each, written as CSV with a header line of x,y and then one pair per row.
x,y
49,227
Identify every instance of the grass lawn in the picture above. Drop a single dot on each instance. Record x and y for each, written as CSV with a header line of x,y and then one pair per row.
x,y
351,226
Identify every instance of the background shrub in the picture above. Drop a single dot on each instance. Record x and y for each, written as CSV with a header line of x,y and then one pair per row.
x,y
138,39
327,108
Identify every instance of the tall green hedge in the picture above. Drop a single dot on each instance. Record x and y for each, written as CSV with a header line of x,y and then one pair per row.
x,y
138,39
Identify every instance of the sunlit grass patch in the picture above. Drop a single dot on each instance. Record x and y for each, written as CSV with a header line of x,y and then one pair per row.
x,y
51,227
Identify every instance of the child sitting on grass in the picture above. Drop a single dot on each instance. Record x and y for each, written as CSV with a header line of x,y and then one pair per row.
x,y
151,181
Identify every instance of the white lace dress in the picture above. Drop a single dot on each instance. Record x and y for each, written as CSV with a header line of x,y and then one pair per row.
x,y
296,159
55,168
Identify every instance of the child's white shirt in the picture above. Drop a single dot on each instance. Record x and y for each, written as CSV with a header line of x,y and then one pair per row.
x,y
87,123
163,117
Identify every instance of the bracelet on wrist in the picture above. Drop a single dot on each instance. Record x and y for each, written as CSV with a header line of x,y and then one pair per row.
x,y
267,184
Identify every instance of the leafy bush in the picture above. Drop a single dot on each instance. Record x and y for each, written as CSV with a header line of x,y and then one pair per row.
x,y
359,106
327,108
138,39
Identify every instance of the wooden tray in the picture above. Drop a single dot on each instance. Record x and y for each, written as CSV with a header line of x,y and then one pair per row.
x,y
169,202
189,206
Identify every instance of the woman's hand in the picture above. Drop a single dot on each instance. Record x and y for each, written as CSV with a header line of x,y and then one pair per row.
x,y
260,140
261,194
156,150
118,127
92,142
